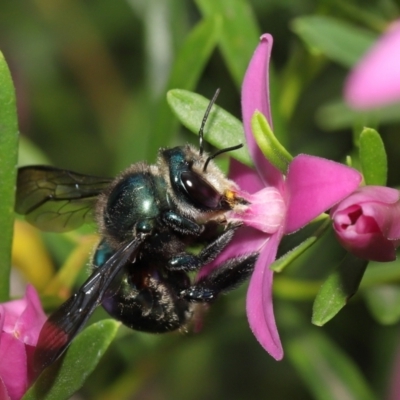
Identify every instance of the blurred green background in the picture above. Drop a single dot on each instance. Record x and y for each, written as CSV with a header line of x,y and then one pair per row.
x,y
91,79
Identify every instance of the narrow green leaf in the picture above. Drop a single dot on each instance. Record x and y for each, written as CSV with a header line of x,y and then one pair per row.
x,y
311,234
337,115
381,273
338,40
281,263
384,303
222,129
240,33
8,164
195,53
239,38
327,371
186,71
341,284
269,144
67,375
29,153
373,157
295,289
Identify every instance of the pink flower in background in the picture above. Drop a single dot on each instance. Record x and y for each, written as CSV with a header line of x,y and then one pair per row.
x,y
279,205
375,81
20,324
367,223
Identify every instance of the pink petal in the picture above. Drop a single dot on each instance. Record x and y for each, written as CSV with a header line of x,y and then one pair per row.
x,y
365,240
3,391
12,310
381,203
314,185
259,301
375,81
255,96
13,365
266,210
246,177
393,232
365,194
32,318
246,240
2,318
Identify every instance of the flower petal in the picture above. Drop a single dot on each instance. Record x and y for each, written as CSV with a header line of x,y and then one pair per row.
x,y
375,81
259,301
255,96
314,185
245,241
12,310
265,210
2,318
14,371
245,177
32,318
381,203
364,238
3,391
365,194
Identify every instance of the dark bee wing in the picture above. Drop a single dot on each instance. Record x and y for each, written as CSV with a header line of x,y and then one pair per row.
x,y
65,323
56,200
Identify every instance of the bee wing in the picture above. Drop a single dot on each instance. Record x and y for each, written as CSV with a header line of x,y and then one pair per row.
x,y
56,200
66,322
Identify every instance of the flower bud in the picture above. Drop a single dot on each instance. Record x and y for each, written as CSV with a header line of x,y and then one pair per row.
x,y
367,223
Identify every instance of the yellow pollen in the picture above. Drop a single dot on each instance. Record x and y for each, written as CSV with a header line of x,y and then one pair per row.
x,y
230,196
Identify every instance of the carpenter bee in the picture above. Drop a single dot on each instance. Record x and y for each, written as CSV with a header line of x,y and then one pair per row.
x,y
147,217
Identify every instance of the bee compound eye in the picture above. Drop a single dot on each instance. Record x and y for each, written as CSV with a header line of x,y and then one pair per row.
x,y
199,191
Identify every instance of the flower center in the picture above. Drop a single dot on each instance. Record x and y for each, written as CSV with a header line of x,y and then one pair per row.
x,y
265,210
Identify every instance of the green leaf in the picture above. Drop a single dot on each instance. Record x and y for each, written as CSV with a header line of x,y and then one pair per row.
x,y
337,115
341,284
285,260
381,273
338,40
281,263
276,154
373,157
8,171
29,153
62,379
240,33
327,371
224,130
186,71
384,303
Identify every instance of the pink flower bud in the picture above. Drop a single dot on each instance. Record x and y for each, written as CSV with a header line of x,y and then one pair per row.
x,y
367,223
20,324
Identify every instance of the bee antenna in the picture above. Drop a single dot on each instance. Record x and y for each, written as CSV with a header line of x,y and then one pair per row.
x,y
217,153
203,123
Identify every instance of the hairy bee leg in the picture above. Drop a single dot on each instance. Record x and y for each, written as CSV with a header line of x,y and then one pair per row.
x,y
223,279
190,262
181,224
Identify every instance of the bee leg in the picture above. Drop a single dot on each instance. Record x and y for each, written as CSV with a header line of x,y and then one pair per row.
x,y
181,224
223,279
190,262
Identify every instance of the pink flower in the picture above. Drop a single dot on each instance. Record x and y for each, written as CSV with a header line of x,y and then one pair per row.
x,y
375,81
312,185
367,223
20,324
